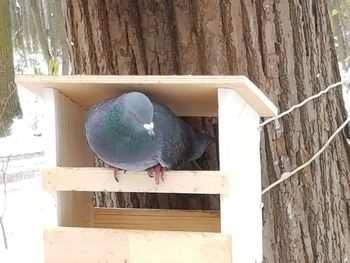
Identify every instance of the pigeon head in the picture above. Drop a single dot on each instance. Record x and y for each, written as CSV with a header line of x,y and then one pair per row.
x,y
139,110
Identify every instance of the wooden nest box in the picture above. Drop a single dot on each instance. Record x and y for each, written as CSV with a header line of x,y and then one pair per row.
x,y
88,234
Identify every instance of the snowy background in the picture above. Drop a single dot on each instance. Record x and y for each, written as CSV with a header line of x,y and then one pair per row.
x,y
29,209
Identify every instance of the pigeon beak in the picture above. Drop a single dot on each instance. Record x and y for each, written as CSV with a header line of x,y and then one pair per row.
x,y
149,128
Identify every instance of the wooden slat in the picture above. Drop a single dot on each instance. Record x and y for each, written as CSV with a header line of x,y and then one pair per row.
x,y
102,179
185,95
84,245
157,219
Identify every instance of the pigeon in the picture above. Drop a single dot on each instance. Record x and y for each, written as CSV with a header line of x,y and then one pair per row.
x,y
133,133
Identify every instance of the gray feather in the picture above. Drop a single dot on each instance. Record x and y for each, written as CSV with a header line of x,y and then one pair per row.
x,y
115,132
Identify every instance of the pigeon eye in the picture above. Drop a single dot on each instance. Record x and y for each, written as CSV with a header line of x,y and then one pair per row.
x,y
134,115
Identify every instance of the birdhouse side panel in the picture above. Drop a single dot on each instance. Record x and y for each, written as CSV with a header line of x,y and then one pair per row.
x,y
66,146
239,140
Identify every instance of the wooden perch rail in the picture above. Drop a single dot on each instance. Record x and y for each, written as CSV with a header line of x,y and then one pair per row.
x,y
102,179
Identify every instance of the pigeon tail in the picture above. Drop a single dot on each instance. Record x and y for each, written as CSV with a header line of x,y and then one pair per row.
x,y
200,145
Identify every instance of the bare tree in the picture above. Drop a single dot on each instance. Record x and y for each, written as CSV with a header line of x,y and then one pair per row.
x,y
340,11
9,103
39,29
58,36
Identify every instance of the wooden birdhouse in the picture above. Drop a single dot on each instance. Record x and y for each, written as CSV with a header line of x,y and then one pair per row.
x,y
88,234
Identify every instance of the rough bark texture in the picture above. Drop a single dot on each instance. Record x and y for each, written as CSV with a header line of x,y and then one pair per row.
x,y
9,103
287,49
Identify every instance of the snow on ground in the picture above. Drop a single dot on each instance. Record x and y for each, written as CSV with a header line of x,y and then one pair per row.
x,y
29,210
26,132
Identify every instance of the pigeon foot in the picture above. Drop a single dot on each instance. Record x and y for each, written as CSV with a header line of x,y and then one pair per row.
x,y
115,172
157,172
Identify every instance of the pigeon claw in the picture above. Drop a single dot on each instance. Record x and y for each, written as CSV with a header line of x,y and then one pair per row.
x,y
115,173
157,172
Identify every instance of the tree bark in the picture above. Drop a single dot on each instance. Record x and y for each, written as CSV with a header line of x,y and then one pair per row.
x,y
286,48
9,103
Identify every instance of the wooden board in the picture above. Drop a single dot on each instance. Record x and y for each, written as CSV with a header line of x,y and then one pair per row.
x,y
185,95
239,149
66,146
85,245
157,219
102,179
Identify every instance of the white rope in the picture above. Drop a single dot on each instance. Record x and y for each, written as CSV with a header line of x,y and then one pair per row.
x,y
301,103
286,175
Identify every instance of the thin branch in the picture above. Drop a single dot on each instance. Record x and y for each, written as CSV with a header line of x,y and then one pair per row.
x,y
5,101
4,166
286,175
3,233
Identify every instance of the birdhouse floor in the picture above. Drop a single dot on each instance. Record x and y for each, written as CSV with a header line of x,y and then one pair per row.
x,y
157,219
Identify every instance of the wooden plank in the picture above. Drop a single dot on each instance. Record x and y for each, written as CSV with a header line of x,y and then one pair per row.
x,y
239,148
185,95
71,146
75,209
109,245
66,146
157,219
102,179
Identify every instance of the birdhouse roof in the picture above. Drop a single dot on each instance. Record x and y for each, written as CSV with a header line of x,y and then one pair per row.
x,y
185,95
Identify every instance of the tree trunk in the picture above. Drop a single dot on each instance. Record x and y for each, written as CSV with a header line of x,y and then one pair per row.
x,y
27,23
40,30
58,35
286,48
9,103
